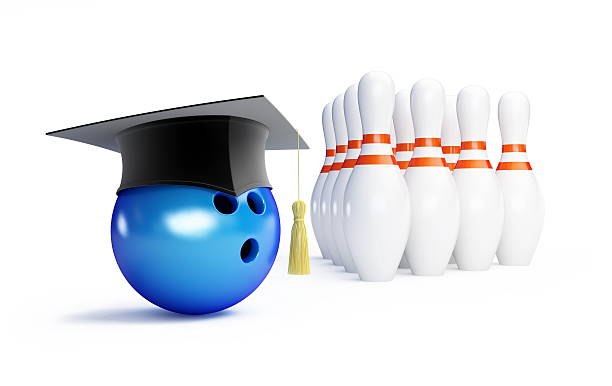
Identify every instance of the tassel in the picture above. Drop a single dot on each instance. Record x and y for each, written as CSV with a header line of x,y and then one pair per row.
x,y
299,260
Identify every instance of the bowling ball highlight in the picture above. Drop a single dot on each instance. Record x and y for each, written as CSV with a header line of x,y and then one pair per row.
x,y
194,250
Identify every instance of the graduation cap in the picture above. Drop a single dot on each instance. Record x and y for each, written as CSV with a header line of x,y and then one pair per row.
x,y
217,145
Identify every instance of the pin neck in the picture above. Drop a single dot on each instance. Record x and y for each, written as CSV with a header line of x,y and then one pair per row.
x,y
451,155
427,153
339,157
354,149
376,150
514,157
404,154
337,165
473,155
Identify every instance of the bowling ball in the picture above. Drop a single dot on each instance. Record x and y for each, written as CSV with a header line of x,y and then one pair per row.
x,y
193,250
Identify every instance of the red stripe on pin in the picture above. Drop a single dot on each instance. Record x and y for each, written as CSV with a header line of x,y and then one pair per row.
x,y
427,142
514,148
473,145
376,138
427,161
473,164
451,149
336,166
354,144
349,163
330,152
403,164
405,146
513,166
376,159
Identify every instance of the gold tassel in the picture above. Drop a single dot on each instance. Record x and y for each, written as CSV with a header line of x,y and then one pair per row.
x,y
299,260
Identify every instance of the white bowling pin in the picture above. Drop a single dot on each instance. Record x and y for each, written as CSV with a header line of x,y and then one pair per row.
x,y
451,137
402,121
376,201
326,195
523,202
480,195
315,201
353,124
434,203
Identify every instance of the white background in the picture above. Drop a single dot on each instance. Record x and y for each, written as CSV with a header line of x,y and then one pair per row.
x,y
69,317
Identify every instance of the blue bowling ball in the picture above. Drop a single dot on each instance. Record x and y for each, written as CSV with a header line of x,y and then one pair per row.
x,y
194,250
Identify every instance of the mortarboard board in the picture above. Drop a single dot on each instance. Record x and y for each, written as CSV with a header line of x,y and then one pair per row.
x,y
217,145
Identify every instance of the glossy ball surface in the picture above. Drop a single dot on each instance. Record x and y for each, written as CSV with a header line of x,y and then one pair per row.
x,y
193,250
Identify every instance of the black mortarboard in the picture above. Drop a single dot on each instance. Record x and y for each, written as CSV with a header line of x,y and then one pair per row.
x,y
217,145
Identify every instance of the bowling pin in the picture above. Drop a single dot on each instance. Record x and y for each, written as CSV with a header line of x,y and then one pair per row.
x,y
480,195
353,124
451,138
376,200
523,202
402,121
434,202
315,201
340,133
